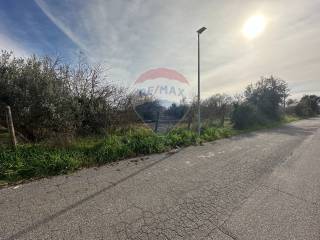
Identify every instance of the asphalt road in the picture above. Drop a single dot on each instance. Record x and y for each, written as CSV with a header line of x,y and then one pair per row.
x,y
263,185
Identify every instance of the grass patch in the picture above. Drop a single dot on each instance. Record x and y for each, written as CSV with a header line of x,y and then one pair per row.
x,y
31,161
290,118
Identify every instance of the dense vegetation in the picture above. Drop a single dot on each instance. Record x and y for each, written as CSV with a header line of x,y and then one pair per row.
x,y
262,103
39,160
308,106
49,98
71,116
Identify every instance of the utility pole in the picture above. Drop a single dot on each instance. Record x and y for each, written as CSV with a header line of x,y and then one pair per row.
x,y
11,127
201,30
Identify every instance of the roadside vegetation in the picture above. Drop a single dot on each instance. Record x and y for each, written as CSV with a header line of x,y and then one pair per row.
x,y
68,117
41,159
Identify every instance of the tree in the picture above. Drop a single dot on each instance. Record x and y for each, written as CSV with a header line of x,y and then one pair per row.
x,y
216,107
308,106
267,95
262,103
244,115
177,111
48,97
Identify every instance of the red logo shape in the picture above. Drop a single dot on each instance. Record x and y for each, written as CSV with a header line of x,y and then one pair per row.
x,y
161,73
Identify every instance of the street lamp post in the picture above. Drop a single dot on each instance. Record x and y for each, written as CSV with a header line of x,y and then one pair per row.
x,y
201,30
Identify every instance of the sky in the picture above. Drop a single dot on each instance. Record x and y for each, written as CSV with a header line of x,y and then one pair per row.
x,y
130,37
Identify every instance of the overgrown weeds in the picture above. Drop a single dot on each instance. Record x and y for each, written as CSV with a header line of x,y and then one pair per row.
x,y
30,161
41,160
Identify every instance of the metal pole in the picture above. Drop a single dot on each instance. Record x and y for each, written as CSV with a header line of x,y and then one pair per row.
x,y
199,111
11,127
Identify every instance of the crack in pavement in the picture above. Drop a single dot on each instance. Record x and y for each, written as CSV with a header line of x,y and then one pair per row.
x,y
76,204
227,232
175,200
290,195
198,213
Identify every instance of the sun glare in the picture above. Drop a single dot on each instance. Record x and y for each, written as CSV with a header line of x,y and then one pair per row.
x,y
254,26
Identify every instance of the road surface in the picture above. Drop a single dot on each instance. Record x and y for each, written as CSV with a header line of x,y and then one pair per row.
x,y
262,185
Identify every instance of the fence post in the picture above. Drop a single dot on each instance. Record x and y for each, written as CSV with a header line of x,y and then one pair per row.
x,y
11,127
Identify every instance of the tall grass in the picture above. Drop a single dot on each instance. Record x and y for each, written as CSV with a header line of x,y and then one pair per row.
x,y
40,160
34,161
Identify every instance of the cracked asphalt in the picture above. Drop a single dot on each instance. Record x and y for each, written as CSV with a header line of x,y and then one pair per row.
x,y
262,185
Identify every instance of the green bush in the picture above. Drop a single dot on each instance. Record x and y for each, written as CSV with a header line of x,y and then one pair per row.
x,y
181,137
48,97
308,106
210,134
214,133
244,115
267,95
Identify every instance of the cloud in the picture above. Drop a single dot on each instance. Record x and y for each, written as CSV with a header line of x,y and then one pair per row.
x,y
9,44
134,36
59,23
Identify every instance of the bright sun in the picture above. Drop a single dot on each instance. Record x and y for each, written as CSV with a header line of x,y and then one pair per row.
x,y
254,26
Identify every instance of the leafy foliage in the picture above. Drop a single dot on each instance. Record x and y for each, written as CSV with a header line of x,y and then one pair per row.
x,y
48,97
178,111
308,106
216,107
262,103
243,115
267,95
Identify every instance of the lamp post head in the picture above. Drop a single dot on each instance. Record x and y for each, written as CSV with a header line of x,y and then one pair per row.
x,y
201,30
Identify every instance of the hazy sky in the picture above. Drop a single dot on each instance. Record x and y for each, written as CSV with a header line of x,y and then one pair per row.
x,y
132,36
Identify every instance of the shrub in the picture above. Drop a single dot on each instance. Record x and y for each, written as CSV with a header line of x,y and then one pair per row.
x,y
181,137
308,106
214,133
244,116
210,134
48,97
267,95
216,108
